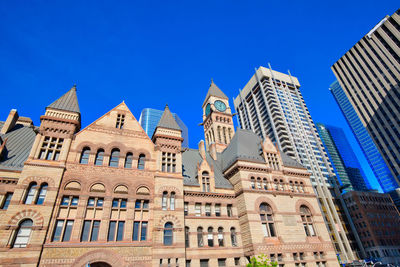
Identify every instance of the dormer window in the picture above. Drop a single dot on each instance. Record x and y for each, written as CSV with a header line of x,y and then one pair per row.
x,y
205,180
120,121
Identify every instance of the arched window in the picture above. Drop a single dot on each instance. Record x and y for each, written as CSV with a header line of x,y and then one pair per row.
x,y
141,161
164,200
187,243
168,234
281,185
253,182
291,188
114,158
233,237
224,131
31,193
200,242
128,161
301,187
23,235
258,183
210,237
276,185
172,201
220,236
306,218
42,194
85,156
219,134
230,133
205,180
265,184
267,220
99,157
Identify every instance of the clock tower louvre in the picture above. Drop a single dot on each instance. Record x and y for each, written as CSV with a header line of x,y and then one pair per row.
x,y
217,119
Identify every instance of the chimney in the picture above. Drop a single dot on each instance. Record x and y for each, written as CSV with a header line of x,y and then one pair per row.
x,y
10,122
213,150
202,151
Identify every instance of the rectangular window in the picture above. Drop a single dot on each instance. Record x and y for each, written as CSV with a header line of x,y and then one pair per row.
x,y
90,230
198,209
68,231
221,262
237,261
6,202
143,232
168,163
229,210
138,204
218,210
186,208
111,231
120,121
188,263
51,148
85,231
145,204
95,231
120,233
208,210
204,263
136,226
58,230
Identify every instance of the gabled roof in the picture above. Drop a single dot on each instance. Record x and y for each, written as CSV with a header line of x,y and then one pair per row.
x,y
168,121
245,145
68,102
17,147
214,91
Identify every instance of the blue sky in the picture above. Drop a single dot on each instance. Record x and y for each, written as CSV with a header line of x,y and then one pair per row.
x,y
150,53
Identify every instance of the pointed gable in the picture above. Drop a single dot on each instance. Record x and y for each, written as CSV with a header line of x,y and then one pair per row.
x,y
214,91
67,102
168,121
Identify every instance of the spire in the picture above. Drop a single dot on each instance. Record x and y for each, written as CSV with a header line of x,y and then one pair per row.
x,y
214,91
168,121
68,102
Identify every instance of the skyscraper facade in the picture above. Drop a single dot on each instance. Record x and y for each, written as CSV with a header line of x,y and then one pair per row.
x,y
369,74
368,147
345,163
272,106
150,117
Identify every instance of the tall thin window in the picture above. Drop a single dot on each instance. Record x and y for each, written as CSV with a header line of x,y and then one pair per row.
x,y
99,157
62,230
187,236
120,121
114,158
267,220
265,184
218,210
210,237
141,162
172,201
205,177
208,209
23,235
306,218
233,237
42,194
31,193
197,209
164,200
220,236
168,234
186,208
200,242
229,210
7,200
253,182
85,156
258,183
90,230
128,161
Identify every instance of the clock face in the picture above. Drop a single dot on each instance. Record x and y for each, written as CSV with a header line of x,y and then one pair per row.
x,y
220,106
208,109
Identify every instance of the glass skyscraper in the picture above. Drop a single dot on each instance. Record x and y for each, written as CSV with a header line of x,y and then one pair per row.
x,y
368,147
150,117
347,168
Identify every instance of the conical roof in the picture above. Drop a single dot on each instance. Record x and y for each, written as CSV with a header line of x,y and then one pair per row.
x,y
68,102
168,121
214,91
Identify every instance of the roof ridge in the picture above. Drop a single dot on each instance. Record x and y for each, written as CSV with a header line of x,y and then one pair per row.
x,y
168,121
214,90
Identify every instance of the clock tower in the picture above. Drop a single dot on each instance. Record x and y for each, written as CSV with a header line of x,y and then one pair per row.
x,y
217,119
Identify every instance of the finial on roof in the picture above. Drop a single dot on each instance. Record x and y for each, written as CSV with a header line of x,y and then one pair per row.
x,y
74,86
166,106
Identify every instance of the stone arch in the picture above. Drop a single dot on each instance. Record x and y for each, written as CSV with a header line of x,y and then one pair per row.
x,y
73,185
143,190
100,255
145,152
301,202
267,200
88,144
35,216
169,189
116,145
98,188
121,189
39,180
169,218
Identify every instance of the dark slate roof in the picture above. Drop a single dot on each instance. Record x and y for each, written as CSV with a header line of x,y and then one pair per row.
x,y
168,121
214,91
245,145
68,102
190,159
19,143
289,162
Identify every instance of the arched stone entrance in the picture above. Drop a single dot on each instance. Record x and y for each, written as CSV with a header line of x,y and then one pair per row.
x,y
100,258
100,264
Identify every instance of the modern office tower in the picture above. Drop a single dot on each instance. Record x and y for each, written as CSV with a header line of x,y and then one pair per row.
x,y
150,117
369,74
368,147
342,157
377,222
272,106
